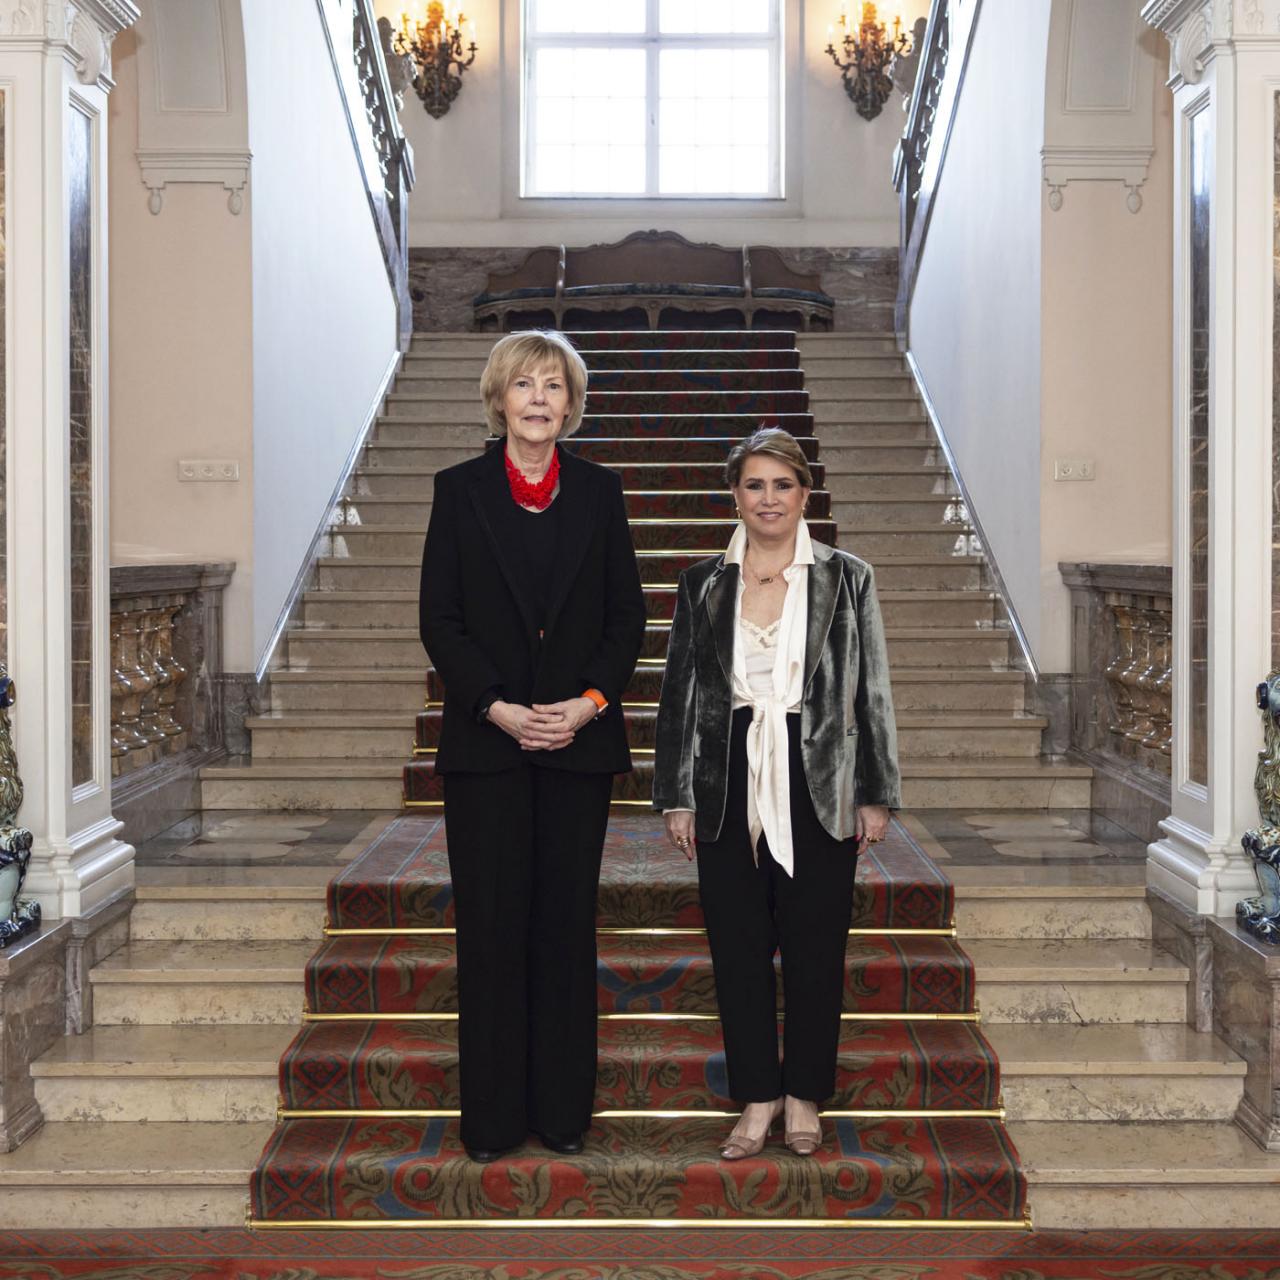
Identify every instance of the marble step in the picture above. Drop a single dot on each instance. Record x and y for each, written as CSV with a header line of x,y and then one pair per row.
x,y
136,1175
289,907
472,367
1017,783
857,366
354,689
372,689
302,784
856,456
163,1074
1189,1176
1154,1175
889,480
867,508
921,734
1076,910
894,571
1094,1074
828,381
208,983
387,608
402,648
851,411
706,534
844,344
1039,981
836,430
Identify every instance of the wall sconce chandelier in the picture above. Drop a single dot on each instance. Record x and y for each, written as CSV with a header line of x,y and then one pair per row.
x,y
869,57
434,43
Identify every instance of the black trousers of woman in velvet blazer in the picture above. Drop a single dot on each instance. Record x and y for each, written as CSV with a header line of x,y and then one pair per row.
x,y
842,754
526,829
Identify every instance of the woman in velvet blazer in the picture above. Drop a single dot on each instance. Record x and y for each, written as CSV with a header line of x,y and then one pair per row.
x,y
776,756
532,611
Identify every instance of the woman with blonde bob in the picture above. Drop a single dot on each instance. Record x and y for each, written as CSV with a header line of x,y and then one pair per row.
x,y
532,612
776,757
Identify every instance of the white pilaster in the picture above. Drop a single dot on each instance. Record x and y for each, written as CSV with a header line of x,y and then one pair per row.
x,y
1225,61
55,68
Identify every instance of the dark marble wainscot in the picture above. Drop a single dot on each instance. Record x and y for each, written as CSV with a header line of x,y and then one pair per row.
x,y
1120,692
156,778
443,282
33,1001
1246,1014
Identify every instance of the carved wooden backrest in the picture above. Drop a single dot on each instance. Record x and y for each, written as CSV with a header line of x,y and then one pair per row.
x,y
769,271
538,270
653,257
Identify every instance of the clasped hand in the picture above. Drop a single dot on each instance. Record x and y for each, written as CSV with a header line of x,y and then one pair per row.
x,y
546,726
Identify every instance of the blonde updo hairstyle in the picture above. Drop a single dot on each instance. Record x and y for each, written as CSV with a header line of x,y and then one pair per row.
x,y
774,443
532,352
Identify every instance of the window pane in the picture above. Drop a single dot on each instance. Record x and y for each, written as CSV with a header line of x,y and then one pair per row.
x,y
677,170
555,121
711,17
750,170
562,17
676,69
554,169
714,121
751,73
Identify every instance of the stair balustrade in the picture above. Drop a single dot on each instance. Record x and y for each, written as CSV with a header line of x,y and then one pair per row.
x,y
918,160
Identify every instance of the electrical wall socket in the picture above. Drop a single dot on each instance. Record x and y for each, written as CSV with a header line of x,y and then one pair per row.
x,y
201,470
1073,469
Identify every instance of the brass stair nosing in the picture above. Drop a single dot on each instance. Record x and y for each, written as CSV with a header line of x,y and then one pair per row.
x,y
659,1113
439,804
424,931
636,1224
448,1016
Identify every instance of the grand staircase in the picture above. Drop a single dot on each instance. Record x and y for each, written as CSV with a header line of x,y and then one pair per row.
x,y
1120,1113
347,697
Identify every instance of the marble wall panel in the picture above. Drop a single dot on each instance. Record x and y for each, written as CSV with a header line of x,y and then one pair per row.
x,y
1275,398
1201,194
1246,1014
80,426
4,439
33,997
443,281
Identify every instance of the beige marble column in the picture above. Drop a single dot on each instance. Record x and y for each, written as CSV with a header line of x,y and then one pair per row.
x,y
55,75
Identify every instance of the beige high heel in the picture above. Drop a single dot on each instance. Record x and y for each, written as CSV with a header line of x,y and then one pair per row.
x,y
741,1148
803,1142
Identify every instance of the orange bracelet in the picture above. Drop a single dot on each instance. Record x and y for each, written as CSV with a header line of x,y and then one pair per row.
x,y
598,698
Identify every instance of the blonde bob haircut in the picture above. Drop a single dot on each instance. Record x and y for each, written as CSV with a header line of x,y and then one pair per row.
x,y
775,443
532,352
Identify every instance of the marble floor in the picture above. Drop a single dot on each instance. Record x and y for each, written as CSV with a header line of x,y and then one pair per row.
x,y
1073,845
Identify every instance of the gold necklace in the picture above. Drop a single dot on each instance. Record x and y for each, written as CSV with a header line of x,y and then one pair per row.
x,y
764,582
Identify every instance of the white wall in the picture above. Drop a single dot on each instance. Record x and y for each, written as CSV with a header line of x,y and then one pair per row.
x,y
975,315
1106,386
324,320
841,191
181,366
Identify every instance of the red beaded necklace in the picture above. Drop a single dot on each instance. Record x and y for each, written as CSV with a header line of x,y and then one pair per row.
x,y
529,493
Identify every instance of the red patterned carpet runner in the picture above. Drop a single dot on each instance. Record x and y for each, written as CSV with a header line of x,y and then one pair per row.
x,y
369,1087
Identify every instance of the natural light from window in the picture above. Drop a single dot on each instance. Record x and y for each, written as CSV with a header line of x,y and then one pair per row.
x,y
652,98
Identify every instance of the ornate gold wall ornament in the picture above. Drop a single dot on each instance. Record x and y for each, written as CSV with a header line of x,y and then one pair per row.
x,y
435,45
871,55
17,917
1260,916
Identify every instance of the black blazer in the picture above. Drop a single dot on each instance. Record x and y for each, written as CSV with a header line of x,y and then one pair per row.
x,y
477,620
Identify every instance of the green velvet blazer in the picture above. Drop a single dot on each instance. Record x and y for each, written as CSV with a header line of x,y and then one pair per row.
x,y
849,742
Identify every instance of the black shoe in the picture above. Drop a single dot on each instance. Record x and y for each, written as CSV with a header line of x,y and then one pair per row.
x,y
563,1144
487,1155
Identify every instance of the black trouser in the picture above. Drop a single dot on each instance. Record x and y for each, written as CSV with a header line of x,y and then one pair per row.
x,y
752,910
524,857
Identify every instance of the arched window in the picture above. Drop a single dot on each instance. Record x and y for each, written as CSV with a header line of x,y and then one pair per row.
x,y
652,98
